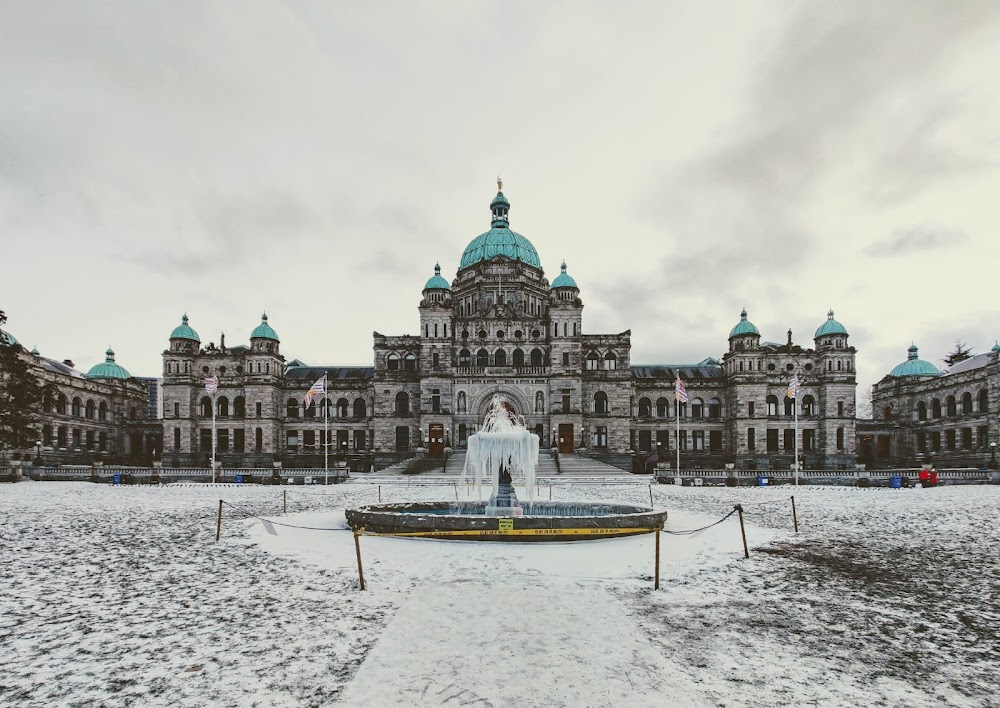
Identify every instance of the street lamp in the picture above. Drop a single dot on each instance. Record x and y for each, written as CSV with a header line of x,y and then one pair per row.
x,y
38,453
993,455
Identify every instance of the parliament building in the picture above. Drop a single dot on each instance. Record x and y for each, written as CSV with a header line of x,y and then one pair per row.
x,y
500,326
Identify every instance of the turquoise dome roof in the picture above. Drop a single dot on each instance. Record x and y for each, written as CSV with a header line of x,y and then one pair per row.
x,y
436,282
831,326
6,338
563,280
108,369
996,347
500,240
183,331
914,366
264,330
744,326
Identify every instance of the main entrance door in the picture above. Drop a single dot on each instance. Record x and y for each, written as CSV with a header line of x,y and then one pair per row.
x,y
435,440
565,437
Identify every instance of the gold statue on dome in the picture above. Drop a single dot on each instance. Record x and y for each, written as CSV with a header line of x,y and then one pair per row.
x,y
499,184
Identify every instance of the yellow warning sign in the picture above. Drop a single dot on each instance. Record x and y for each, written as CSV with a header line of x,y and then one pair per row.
x,y
505,524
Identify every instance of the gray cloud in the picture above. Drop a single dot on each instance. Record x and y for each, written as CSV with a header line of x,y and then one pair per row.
x,y
916,239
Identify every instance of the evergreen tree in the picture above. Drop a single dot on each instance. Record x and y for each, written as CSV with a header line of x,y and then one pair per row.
x,y
961,353
20,397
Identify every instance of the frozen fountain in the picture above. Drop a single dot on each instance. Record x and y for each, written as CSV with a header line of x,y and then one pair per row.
x,y
501,454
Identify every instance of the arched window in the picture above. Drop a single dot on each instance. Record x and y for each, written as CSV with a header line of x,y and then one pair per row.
x,y
222,404
645,407
789,405
410,362
950,404
697,408
341,407
465,358
600,402
205,407
462,402
887,413
482,359
360,408
240,407
292,408
808,405
90,409
610,361
310,410
518,357
966,403
715,408
77,407
935,408
392,362
500,358
662,407
536,357
592,361
984,401
539,402
921,410
325,405
61,403
772,405
402,403
102,411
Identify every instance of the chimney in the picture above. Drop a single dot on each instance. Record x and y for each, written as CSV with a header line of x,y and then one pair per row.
x,y
69,363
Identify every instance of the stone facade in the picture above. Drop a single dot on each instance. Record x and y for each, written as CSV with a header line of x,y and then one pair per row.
x,y
949,417
500,326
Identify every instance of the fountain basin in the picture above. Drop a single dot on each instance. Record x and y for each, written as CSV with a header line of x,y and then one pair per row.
x,y
541,521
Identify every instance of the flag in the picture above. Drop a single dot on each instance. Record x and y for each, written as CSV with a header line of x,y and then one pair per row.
x,y
793,387
680,393
211,384
319,385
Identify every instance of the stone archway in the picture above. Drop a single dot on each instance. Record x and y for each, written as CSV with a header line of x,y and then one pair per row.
x,y
516,402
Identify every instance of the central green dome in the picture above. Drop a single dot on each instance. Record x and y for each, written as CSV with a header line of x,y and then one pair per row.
x,y
500,240
914,366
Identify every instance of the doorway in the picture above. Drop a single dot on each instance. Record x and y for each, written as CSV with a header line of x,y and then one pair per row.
x,y
565,437
435,440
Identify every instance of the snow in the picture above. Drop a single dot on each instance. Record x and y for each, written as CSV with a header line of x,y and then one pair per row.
x,y
119,596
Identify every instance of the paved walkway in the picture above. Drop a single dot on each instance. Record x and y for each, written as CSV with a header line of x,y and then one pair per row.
x,y
561,643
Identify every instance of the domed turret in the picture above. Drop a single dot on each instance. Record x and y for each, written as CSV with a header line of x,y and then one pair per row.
x,y
6,338
996,347
184,331
914,366
436,282
264,330
108,369
500,240
744,326
830,327
564,279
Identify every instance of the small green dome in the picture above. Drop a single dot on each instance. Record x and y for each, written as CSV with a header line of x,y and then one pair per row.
x,y
7,339
831,326
563,280
183,331
108,369
744,326
264,330
34,350
914,366
996,347
436,282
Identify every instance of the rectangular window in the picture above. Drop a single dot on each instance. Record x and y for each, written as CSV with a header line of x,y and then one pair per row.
x,y
435,329
222,439
239,440
309,439
698,439
684,440
772,406
715,440
772,440
565,401
435,359
90,439
177,410
663,439
808,440
260,409
789,442
966,438
206,441
936,442
751,439
564,329
177,439
949,438
436,401
921,441
292,439
750,409
102,442
600,436
840,438
840,408
981,437
342,440
359,439
645,440
591,363
565,359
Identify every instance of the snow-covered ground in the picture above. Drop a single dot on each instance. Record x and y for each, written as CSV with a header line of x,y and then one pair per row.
x,y
119,596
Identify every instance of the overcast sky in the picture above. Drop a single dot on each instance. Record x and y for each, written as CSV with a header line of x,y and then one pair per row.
x,y
314,160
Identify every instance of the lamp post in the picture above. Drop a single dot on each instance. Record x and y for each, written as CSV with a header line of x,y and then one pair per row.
x,y
38,453
993,455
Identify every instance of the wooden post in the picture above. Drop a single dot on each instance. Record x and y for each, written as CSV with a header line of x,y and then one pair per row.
x,y
550,491
743,531
284,501
651,496
795,518
357,549
456,491
218,524
656,584
380,493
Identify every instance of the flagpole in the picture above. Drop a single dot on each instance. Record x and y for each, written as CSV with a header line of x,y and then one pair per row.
x,y
795,406
213,437
677,438
326,436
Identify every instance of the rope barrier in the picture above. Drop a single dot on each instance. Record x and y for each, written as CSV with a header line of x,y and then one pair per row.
x,y
693,531
248,515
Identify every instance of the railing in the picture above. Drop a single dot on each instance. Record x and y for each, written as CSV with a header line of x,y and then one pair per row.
x,y
502,370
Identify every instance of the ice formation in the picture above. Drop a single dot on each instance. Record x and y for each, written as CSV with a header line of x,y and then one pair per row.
x,y
502,442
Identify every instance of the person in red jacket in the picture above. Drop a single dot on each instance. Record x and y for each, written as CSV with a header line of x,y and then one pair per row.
x,y
925,477
933,477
